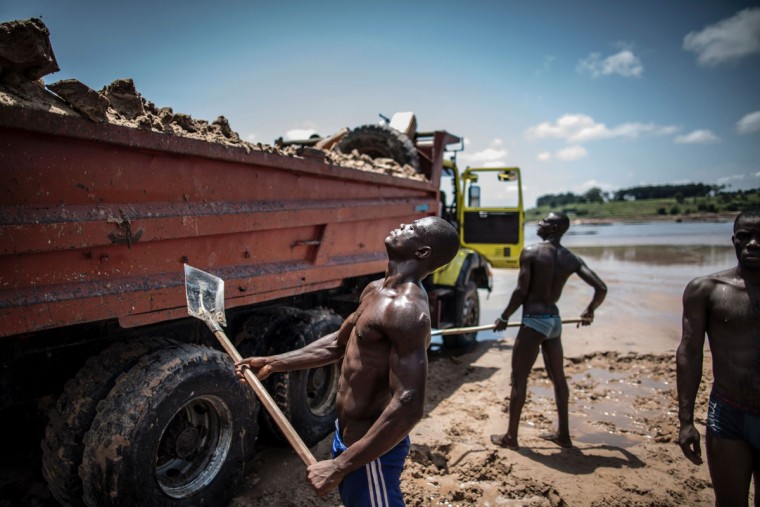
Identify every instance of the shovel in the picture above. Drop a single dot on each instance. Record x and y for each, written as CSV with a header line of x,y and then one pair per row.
x,y
486,327
205,301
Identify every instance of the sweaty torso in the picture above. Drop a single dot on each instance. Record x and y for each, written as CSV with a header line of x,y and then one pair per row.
x,y
364,388
733,330
551,266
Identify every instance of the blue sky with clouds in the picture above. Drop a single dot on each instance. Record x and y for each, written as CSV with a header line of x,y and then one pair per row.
x,y
579,94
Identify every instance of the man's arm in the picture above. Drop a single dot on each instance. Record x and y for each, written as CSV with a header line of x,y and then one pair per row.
x,y
521,290
407,326
600,291
689,358
328,349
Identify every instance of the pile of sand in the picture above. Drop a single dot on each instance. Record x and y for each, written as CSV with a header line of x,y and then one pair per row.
x,y
26,56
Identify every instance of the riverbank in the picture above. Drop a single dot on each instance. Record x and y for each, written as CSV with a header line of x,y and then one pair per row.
x,y
691,217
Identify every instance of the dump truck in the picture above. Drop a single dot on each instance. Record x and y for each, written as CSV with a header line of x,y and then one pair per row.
x,y
97,220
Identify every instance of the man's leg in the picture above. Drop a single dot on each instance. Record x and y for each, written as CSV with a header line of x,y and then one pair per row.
x,y
552,352
731,466
524,355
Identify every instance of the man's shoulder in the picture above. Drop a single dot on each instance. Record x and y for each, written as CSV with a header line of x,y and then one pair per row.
x,y
707,283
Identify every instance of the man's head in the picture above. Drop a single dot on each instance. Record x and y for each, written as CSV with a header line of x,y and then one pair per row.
x,y
554,223
746,238
430,240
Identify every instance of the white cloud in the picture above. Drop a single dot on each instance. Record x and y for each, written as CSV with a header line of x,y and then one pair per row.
x,y
589,184
728,40
729,179
579,128
749,123
493,156
251,138
544,156
490,156
624,63
574,152
698,137
298,134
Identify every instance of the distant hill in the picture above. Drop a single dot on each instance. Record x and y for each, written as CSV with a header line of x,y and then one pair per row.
x,y
719,206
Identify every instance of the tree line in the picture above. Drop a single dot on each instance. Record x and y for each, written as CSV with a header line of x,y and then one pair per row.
x,y
678,192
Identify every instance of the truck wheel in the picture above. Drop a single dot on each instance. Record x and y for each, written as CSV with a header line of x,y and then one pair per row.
x,y
75,409
175,430
468,314
381,141
267,332
308,396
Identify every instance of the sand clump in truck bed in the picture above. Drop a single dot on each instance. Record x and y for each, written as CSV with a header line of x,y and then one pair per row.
x,y
26,56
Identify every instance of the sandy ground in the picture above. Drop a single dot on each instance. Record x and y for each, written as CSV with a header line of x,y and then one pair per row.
x,y
623,424
621,372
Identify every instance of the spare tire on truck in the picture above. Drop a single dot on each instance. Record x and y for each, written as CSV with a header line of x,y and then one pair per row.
x,y
176,430
381,141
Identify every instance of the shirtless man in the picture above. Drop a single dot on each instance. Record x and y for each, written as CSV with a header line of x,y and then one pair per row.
x,y
383,348
544,269
726,306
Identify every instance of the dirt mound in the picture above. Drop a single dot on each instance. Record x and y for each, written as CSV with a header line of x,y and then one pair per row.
x,y
26,55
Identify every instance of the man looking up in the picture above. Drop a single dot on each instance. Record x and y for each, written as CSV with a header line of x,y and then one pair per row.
x,y
383,347
544,269
726,306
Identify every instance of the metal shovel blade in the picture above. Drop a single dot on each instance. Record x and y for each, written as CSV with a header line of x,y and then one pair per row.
x,y
205,296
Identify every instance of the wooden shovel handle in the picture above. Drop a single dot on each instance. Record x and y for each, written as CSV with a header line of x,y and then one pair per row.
x,y
269,404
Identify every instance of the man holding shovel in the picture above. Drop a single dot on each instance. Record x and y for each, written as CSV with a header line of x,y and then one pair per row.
x,y
383,348
544,269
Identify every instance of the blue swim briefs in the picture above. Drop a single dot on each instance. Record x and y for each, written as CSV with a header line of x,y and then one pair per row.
x,y
548,325
731,421
376,484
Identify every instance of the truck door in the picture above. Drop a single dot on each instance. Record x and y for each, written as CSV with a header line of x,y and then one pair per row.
x,y
491,214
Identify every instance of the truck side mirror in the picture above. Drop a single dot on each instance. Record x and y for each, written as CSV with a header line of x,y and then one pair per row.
x,y
473,196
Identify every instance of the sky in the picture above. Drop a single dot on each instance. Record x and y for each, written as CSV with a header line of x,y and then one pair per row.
x,y
578,94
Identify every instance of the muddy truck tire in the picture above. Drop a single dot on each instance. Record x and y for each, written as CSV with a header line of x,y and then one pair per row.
x,y
467,315
381,141
176,430
306,397
75,409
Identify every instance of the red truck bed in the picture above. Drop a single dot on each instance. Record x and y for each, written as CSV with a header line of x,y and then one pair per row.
x,y
96,221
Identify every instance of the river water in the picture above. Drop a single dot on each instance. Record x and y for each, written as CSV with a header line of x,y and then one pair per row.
x,y
646,267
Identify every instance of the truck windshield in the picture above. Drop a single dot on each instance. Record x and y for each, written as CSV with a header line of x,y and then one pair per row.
x,y
495,192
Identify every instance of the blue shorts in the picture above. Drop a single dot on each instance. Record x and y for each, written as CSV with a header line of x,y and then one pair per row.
x,y
376,484
548,325
731,421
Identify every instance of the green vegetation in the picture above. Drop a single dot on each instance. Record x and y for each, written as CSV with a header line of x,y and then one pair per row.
x,y
682,202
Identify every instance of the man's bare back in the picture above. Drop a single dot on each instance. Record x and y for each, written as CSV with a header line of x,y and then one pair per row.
x,y
551,266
